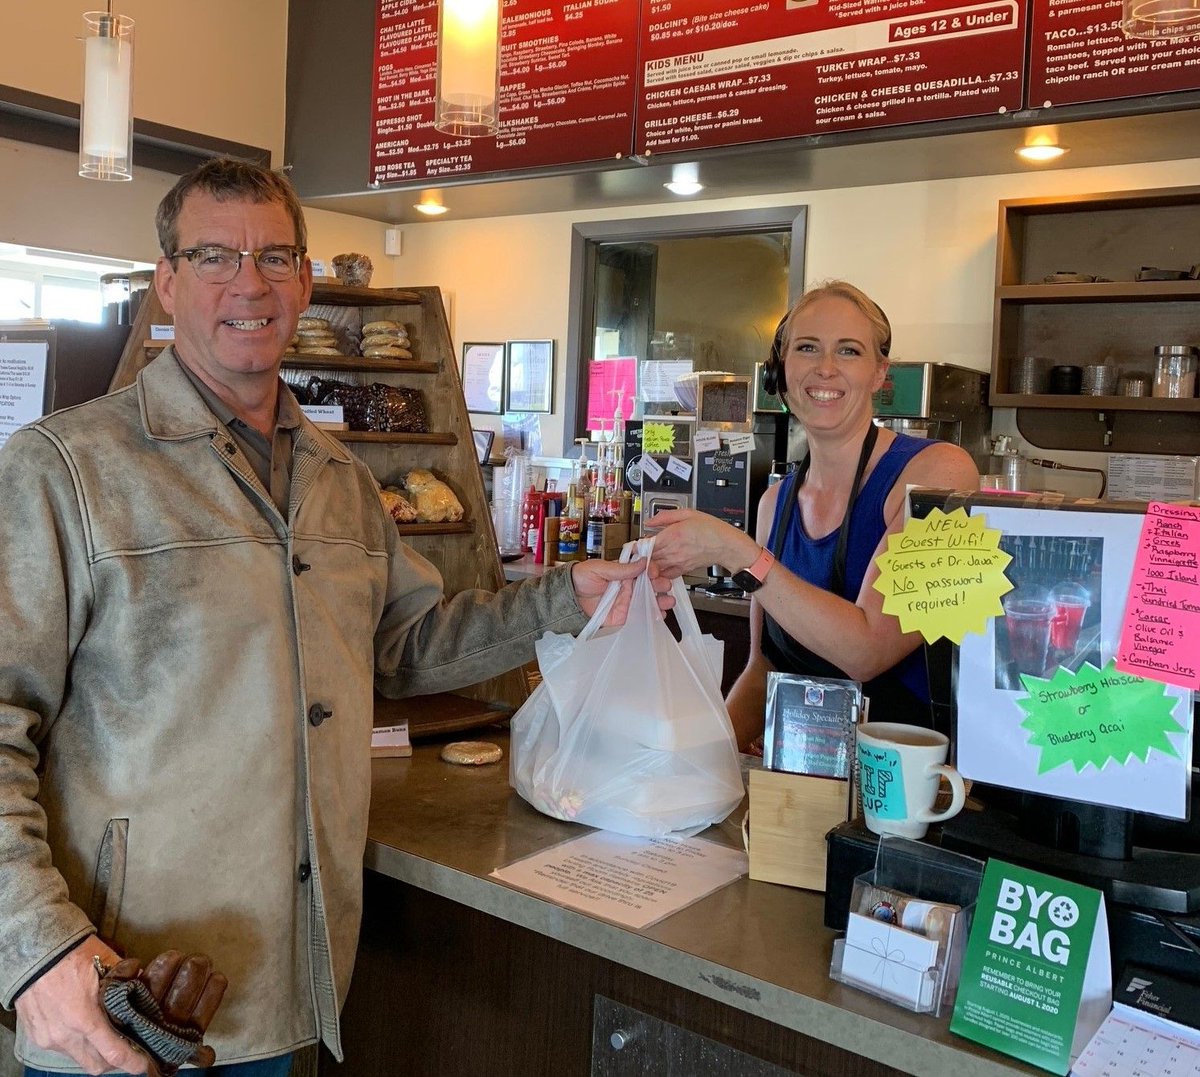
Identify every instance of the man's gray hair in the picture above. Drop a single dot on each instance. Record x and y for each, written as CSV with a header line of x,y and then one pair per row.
x,y
227,180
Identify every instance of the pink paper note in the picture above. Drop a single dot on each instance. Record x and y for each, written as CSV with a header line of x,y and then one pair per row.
x,y
1160,636
605,378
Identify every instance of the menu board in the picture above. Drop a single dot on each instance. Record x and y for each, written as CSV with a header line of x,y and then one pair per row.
x,y
1078,53
594,80
567,89
752,71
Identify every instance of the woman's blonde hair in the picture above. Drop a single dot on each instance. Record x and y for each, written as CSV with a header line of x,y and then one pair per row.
x,y
870,310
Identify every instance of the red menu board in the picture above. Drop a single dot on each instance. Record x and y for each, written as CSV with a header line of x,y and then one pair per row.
x,y
1077,53
749,71
567,89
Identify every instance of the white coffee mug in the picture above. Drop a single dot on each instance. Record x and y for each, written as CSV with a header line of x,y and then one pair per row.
x,y
899,770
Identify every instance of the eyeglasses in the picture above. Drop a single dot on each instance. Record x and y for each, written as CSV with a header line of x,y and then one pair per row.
x,y
219,265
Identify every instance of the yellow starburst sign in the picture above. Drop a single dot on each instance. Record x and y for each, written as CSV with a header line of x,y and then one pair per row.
x,y
943,575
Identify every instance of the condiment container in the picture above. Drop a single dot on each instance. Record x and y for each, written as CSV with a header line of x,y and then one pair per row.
x,y
1135,385
1066,379
1175,370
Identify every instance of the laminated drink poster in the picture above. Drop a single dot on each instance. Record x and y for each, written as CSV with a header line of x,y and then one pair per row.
x,y
1036,980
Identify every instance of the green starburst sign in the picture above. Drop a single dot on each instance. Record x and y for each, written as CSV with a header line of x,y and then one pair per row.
x,y
1096,715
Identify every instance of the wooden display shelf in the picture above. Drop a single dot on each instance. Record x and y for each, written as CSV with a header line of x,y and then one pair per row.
x,y
342,295
1094,403
336,362
445,712
1115,322
457,527
1122,290
393,439
359,362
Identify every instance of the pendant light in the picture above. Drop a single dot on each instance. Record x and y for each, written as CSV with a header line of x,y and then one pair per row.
x,y
468,68
106,112
1161,20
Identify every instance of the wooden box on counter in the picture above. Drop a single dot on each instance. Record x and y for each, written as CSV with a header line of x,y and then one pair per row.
x,y
789,816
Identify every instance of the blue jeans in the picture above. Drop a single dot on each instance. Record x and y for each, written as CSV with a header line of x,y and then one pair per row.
x,y
266,1067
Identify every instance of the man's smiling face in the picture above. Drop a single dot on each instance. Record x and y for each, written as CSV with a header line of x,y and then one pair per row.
x,y
232,335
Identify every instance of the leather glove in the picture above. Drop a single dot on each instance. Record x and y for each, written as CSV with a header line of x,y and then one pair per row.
x,y
165,1008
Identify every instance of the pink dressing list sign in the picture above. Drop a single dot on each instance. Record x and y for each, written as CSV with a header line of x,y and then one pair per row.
x,y
1160,637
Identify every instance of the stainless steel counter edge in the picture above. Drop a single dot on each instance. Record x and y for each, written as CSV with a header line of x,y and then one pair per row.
x,y
406,837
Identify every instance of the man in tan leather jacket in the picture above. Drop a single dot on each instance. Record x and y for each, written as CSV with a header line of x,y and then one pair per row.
x,y
198,590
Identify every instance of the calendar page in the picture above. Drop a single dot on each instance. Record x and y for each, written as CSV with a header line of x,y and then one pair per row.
x,y
1149,1033
1132,1044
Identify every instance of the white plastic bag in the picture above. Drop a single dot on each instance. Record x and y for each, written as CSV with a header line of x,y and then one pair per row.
x,y
628,731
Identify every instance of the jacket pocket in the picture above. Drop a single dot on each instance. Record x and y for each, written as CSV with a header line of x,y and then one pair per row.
x,y
108,885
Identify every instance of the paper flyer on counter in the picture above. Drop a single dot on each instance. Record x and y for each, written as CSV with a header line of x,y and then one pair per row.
x,y
1041,706
631,881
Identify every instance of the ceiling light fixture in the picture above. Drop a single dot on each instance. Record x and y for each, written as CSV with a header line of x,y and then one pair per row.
x,y
1161,20
685,180
468,68
684,187
106,112
431,207
1039,153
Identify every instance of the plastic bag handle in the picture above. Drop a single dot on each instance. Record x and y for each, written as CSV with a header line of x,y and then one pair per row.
x,y
685,615
637,550
604,607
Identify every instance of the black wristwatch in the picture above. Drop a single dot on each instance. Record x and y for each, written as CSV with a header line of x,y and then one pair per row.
x,y
752,578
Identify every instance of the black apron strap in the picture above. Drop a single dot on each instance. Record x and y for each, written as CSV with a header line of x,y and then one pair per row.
x,y
837,580
789,656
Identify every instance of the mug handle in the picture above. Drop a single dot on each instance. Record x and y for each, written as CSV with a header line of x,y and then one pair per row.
x,y
958,794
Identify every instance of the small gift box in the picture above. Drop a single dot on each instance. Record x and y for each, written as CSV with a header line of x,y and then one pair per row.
x,y
890,961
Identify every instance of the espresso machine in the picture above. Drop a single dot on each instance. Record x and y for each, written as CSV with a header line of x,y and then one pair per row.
x,y
938,400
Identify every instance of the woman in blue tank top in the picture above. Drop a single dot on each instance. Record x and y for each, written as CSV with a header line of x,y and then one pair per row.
x,y
813,609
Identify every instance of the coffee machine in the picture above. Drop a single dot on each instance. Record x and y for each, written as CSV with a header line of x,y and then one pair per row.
x,y
938,400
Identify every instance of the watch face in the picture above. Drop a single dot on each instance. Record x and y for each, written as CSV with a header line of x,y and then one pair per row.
x,y
746,581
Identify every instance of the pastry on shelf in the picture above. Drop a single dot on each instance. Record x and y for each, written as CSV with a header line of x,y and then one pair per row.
x,y
398,506
434,500
385,339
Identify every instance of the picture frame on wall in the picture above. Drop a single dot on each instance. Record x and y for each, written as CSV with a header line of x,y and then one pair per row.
x,y
529,376
483,375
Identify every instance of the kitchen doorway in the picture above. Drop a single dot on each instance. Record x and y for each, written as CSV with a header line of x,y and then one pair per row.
x,y
705,287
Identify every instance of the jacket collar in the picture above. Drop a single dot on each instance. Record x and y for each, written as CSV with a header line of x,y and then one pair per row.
x,y
172,410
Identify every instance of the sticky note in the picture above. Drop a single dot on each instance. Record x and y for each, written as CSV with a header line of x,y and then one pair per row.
x,y
1160,636
943,575
658,437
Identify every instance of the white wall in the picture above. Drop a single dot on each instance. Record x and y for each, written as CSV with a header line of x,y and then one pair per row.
x,y
215,67
212,66
44,203
925,251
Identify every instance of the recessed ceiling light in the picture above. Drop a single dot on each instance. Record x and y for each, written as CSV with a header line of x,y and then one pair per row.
x,y
684,187
1040,153
431,209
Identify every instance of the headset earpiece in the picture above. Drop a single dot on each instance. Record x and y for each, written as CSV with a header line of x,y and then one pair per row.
x,y
774,379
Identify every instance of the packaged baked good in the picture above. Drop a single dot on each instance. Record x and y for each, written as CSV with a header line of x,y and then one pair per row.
x,y
353,269
383,325
398,506
434,500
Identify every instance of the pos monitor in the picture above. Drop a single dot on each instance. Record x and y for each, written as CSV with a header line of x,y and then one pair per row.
x,y
1120,824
